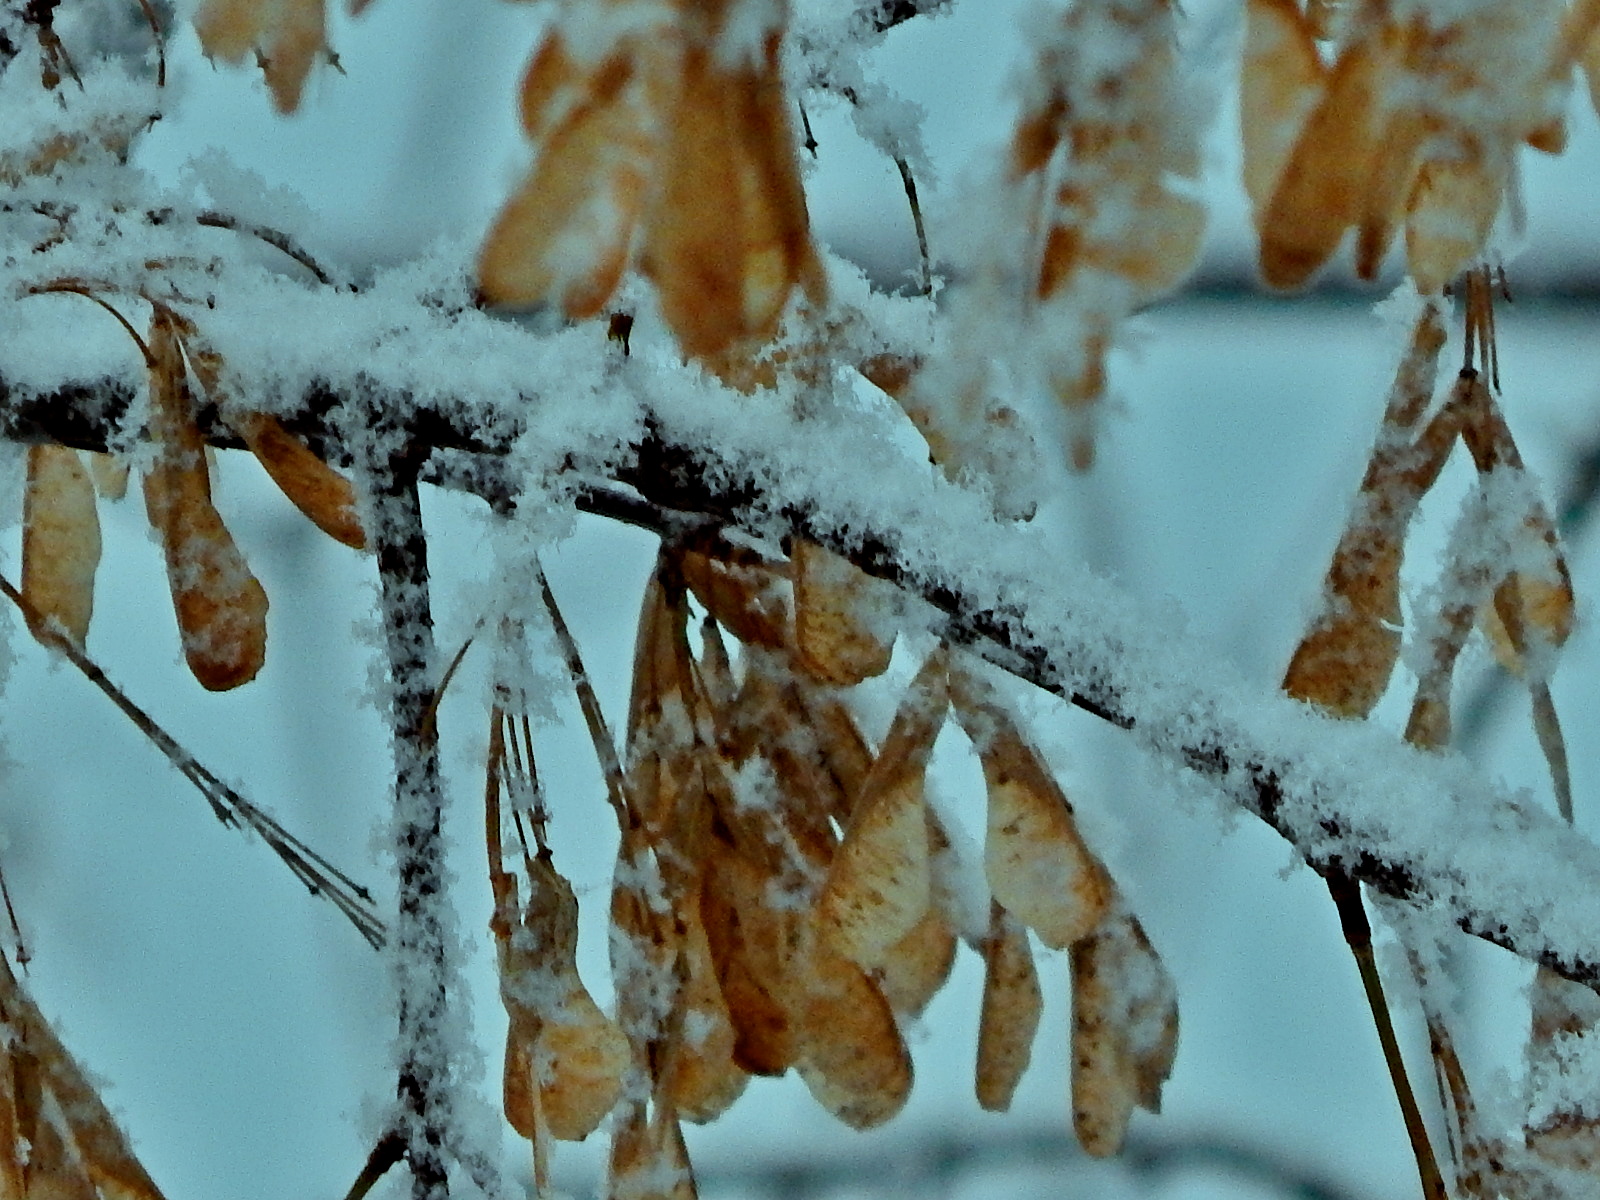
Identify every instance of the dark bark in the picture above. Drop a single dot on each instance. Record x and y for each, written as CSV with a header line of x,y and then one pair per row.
x,y
400,545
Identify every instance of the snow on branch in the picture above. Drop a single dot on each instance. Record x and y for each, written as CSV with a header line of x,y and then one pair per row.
x,y
638,438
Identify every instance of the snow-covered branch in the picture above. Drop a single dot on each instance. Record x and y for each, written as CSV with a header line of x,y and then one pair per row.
x,y
658,446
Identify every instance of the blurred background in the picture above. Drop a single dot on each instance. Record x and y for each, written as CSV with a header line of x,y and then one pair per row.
x,y
243,1030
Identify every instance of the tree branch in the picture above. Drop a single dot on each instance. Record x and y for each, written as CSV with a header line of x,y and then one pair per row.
x,y
420,964
1349,797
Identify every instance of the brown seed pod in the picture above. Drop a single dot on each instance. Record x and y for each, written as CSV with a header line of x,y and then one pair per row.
x,y
879,885
1320,190
564,237
752,944
703,1078
917,966
581,1062
729,150
1036,862
221,608
1124,1031
311,485
1345,660
60,545
649,1160
878,888
289,36
1012,1004
1452,208
850,1052
1164,236
566,1061
840,636
110,474
742,591
1395,167
1533,609
1561,1011
231,29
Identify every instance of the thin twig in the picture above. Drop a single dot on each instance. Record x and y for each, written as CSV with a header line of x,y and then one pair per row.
x,y
272,237
320,876
599,733
1547,726
23,957
910,183
1357,931
161,43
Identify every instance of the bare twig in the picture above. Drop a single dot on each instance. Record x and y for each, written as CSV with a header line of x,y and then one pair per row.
x,y
320,876
910,183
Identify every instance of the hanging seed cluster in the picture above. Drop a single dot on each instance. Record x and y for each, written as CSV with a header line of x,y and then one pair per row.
x,y
783,895
1506,575
220,606
647,118
1383,116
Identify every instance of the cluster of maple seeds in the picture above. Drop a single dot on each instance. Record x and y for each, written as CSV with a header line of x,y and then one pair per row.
x,y
782,896
1509,578
1414,123
648,118
220,606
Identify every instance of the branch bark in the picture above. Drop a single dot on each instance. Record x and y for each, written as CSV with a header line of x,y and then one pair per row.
x,y
420,964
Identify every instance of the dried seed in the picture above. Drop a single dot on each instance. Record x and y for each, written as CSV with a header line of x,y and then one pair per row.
x,y
221,608
564,237
297,39
1124,1031
110,474
581,1061
1320,190
1036,862
1452,208
851,1054
703,1078
231,29
743,592
311,485
751,943
1009,1019
728,150
78,1116
1281,81
60,545
840,634
878,888
916,967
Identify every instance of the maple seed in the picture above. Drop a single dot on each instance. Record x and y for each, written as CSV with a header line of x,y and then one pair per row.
x,y
1124,1031
60,545
221,608
1009,1018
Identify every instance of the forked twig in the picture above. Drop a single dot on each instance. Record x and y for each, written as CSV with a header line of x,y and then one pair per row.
x,y
320,876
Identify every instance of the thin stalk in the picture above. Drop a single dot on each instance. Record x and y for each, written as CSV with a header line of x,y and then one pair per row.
x,y
910,183
1357,930
319,875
